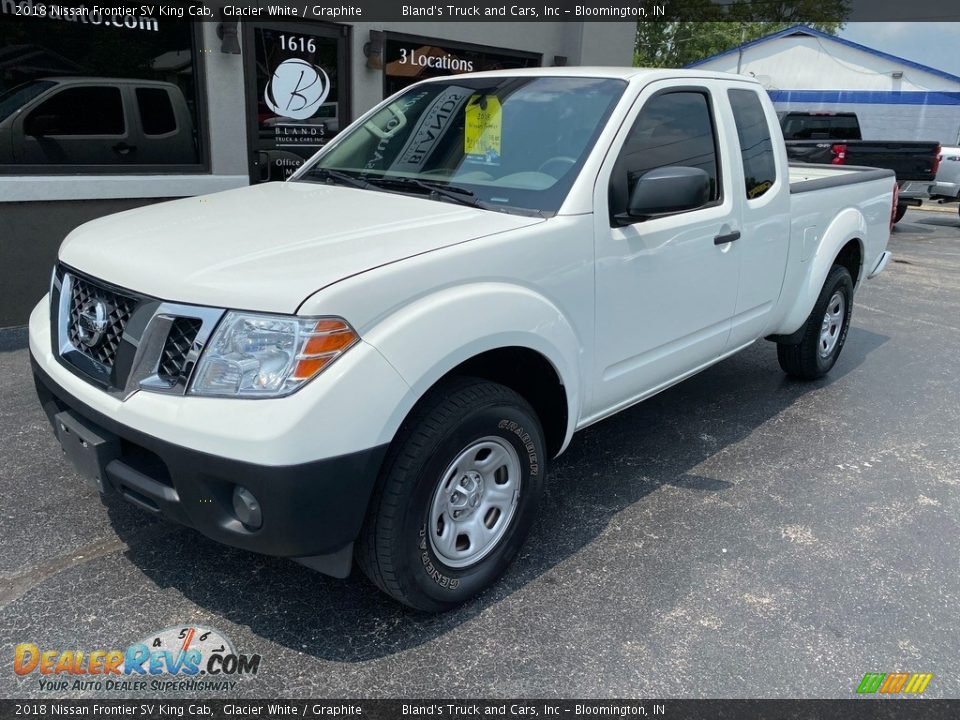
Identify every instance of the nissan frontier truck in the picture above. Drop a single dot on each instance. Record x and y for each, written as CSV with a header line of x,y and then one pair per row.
x,y
376,361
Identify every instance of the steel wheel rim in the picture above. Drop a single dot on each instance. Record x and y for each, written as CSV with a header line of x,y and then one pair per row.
x,y
474,502
832,324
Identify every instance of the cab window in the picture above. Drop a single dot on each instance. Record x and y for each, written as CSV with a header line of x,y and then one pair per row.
x,y
756,147
79,111
672,129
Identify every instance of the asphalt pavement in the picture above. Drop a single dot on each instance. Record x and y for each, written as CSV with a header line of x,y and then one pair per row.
x,y
740,535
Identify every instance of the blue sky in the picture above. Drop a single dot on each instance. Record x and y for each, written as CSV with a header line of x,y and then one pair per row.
x,y
936,44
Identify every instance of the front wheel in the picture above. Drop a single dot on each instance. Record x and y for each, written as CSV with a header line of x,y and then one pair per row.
x,y
458,494
898,216
825,330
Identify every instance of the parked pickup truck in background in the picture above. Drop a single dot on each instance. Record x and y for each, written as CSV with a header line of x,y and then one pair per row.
x,y
947,188
96,121
834,139
377,359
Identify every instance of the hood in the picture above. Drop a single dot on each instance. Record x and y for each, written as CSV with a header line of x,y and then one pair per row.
x,y
268,247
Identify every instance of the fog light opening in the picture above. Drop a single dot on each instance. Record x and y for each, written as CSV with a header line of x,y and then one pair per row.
x,y
247,508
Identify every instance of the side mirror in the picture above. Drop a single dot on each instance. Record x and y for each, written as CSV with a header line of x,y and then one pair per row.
x,y
40,125
666,190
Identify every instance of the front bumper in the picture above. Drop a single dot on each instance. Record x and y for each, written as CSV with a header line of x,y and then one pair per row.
x,y
310,511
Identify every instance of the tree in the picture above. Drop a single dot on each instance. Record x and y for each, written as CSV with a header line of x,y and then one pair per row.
x,y
707,28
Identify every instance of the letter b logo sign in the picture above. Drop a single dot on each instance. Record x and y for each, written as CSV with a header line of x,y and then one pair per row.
x,y
296,89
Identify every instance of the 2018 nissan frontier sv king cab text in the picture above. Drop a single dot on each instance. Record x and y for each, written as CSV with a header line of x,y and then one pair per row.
x,y
376,360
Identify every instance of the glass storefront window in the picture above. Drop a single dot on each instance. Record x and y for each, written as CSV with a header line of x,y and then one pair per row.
x,y
103,96
296,92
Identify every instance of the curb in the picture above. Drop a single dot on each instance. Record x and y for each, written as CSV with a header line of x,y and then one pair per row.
x,y
937,207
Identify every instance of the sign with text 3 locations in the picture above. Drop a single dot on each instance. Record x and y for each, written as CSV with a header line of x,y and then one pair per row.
x,y
174,659
481,132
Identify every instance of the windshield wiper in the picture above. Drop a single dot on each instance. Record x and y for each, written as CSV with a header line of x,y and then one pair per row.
x,y
340,177
455,193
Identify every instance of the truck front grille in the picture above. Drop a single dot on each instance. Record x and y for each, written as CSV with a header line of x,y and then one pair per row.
x,y
86,300
123,341
183,332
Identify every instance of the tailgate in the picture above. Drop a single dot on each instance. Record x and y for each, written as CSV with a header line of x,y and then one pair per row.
x,y
909,160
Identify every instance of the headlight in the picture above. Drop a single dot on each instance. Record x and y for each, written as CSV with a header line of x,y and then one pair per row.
x,y
254,355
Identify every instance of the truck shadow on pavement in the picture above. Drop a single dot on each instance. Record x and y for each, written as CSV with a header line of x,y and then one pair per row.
x,y
609,467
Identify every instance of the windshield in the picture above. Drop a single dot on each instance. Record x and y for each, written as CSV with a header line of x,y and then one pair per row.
x,y
15,98
511,143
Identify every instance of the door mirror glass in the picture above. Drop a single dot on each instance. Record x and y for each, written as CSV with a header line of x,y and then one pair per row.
x,y
668,190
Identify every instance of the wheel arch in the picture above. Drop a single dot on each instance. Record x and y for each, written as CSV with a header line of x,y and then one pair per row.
x,y
504,333
842,242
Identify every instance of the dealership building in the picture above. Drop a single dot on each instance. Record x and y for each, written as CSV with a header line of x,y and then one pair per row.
x,y
99,115
805,69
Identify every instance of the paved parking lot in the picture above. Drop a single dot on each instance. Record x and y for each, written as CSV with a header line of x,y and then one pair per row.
x,y
740,535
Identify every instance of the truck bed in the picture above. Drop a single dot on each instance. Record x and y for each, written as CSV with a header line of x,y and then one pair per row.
x,y
846,199
807,177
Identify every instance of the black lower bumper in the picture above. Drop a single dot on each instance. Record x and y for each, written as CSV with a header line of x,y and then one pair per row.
x,y
309,510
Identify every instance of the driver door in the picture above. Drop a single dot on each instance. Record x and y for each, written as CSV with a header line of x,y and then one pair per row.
x,y
666,287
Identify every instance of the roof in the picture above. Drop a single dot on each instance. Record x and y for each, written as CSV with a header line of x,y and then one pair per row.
x,y
613,73
813,32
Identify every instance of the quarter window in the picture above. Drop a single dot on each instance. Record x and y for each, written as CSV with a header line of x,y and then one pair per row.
x,y
673,129
756,148
156,111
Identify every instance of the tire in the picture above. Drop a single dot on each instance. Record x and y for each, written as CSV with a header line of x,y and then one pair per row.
x,y
901,211
814,355
411,546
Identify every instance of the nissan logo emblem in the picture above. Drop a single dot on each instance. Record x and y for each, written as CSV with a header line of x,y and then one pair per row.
x,y
92,322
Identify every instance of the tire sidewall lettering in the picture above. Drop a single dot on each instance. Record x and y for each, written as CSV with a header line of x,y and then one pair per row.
x,y
526,441
444,581
456,580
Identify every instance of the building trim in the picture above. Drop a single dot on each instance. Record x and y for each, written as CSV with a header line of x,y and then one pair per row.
x,y
812,32
865,97
113,187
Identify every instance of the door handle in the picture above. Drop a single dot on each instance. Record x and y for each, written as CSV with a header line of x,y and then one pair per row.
x,y
728,238
123,149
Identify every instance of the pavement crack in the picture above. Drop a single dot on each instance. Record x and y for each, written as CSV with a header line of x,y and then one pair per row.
x,y
942,326
15,587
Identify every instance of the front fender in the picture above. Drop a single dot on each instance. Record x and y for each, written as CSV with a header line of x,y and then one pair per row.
x,y
429,337
815,264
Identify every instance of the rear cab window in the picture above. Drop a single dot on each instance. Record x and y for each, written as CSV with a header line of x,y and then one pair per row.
x,y
756,146
156,111
825,126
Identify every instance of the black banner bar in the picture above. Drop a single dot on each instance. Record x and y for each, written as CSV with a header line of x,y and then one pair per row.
x,y
391,11
854,709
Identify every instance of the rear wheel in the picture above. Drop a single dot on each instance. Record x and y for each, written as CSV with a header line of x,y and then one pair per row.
x,y
901,211
824,332
458,495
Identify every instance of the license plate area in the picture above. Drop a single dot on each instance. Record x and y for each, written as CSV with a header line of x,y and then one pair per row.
x,y
88,448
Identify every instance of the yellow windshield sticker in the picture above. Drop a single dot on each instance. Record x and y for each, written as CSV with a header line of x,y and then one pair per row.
x,y
481,131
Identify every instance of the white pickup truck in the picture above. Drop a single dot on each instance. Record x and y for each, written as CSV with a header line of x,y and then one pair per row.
x,y
377,359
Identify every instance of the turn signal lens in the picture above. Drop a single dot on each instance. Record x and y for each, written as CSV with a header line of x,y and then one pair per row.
x,y
328,340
